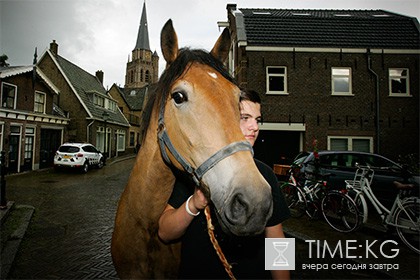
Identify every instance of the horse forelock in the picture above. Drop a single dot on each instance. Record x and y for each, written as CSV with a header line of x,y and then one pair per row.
x,y
175,70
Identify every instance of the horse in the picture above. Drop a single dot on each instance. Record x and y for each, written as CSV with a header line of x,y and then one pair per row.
x,y
193,128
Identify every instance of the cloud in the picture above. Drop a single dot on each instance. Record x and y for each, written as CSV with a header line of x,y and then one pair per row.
x,y
101,34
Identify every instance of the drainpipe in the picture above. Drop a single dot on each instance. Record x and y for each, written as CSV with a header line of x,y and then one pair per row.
x,y
88,131
369,62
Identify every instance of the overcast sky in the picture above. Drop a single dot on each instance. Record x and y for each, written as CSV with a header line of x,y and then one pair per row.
x,y
100,34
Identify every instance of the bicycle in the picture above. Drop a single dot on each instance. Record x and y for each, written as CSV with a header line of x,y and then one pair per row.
x,y
315,197
304,191
293,194
404,213
340,211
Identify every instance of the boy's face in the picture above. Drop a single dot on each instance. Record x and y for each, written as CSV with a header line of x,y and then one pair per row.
x,y
250,119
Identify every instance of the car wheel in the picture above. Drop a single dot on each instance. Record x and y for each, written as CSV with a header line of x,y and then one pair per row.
x,y
100,163
85,167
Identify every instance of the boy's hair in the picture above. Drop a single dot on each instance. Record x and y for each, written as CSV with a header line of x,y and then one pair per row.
x,y
250,95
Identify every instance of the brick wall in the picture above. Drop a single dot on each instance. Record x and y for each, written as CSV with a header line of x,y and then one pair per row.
x,y
309,98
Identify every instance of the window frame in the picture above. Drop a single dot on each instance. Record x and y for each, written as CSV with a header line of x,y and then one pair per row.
x,y
393,77
335,76
121,139
14,98
350,141
269,75
43,104
99,100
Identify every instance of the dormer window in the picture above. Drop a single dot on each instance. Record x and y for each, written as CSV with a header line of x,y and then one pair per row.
x,y
98,100
111,105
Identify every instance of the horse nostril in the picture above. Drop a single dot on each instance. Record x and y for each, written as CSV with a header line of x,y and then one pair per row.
x,y
237,211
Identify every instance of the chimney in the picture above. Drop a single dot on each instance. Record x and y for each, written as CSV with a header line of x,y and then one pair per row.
x,y
100,75
54,47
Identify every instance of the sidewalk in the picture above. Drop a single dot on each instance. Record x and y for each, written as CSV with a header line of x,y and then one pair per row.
x,y
15,220
367,251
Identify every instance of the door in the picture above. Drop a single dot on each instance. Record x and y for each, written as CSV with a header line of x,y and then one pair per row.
x,y
28,150
276,147
50,142
14,141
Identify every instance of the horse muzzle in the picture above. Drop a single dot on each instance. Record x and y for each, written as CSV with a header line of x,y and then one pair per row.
x,y
246,212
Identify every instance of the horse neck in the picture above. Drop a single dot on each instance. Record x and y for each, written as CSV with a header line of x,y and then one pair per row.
x,y
151,178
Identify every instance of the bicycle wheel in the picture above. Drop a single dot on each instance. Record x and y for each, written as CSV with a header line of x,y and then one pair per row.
x,y
361,203
295,200
407,223
340,211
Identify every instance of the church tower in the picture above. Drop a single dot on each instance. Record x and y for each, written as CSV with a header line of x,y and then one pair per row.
x,y
143,68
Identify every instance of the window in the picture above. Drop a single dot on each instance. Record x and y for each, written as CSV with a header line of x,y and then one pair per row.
x,y
8,96
100,138
1,136
147,78
399,82
98,100
132,138
39,106
350,143
29,142
341,81
120,140
276,80
111,105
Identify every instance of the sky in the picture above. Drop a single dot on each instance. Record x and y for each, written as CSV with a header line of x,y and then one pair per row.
x,y
101,34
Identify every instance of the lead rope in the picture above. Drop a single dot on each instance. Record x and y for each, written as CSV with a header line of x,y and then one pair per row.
x,y
210,230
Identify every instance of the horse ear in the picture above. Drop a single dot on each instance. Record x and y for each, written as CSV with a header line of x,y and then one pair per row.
x,y
169,43
222,46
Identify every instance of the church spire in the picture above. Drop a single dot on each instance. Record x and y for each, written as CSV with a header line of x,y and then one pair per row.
x,y
143,68
143,35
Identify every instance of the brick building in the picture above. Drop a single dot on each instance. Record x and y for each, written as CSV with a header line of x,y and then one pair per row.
x,y
131,102
32,125
344,77
94,115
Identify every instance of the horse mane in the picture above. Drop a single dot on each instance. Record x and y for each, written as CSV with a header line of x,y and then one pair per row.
x,y
159,92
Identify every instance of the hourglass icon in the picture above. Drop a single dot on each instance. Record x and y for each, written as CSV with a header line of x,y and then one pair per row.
x,y
280,247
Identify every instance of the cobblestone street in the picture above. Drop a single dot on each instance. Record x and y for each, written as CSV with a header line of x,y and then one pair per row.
x,y
70,231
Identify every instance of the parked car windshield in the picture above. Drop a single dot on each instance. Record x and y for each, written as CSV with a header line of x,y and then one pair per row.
x,y
68,149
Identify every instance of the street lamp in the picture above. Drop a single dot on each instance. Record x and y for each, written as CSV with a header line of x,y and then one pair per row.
x,y
105,117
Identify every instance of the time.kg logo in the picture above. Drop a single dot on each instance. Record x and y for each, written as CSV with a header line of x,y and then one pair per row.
x,y
279,254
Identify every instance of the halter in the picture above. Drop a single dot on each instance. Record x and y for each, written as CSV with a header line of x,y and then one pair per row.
x,y
196,174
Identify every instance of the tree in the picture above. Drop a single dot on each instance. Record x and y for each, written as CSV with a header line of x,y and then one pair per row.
x,y
3,59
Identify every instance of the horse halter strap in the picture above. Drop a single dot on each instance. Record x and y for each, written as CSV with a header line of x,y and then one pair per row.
x,y
197,174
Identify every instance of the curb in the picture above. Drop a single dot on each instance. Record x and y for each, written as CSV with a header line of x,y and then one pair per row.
x,y
11,246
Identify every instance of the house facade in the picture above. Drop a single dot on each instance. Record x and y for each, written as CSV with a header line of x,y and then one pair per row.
x,y
94,115
348,79
32,125
131,102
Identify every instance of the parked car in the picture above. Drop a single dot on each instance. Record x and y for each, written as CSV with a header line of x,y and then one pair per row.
x,y
78,155
342,166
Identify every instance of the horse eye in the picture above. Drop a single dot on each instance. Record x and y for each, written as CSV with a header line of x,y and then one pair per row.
x,y
179,97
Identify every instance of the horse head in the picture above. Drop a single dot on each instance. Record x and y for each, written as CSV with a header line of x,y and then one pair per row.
x,y
199,133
